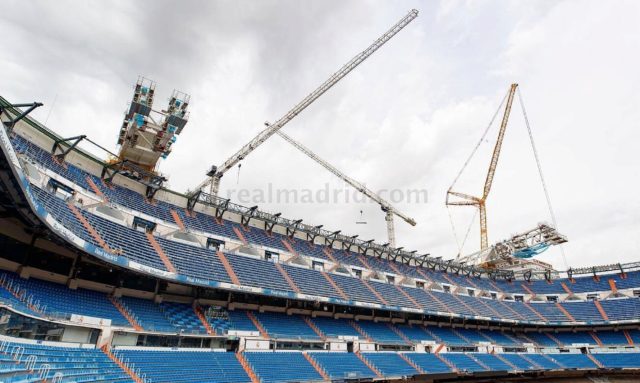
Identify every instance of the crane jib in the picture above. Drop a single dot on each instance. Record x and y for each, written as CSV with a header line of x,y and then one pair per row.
x,y
311,97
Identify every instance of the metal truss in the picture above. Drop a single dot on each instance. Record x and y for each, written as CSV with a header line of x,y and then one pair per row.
x,y
58,145
126,168
365,247
19,114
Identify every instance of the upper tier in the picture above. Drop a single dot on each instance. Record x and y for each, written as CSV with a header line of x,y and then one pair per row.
x,y
99,218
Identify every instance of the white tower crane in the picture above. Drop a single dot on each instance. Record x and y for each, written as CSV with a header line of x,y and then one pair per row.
x,y
386,207
216,173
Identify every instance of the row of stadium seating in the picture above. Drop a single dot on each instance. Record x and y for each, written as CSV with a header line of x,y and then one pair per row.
x,y
56,300
27,362
22,362
163,211
196,261
86,364
192,366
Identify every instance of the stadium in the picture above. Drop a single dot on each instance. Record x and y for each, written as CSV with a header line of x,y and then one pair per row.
x,y
106,275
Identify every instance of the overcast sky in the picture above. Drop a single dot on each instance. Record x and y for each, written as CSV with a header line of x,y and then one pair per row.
x,y
407,118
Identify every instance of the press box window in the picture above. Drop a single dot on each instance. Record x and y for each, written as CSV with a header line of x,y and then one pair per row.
x,y
60,190
271,256
215,244
143,225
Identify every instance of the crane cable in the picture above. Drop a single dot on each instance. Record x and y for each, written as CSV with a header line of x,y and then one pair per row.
x,y
455,232
473,219
544,184
484,135
475,149
466,236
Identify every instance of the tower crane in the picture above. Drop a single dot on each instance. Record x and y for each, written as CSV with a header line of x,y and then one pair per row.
x,y
479,202
386,207
216,173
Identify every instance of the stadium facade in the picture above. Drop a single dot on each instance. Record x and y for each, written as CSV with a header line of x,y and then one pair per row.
x,y
106,276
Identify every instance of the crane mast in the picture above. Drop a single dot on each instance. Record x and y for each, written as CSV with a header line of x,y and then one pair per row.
x,y
479,202
216,173
386,207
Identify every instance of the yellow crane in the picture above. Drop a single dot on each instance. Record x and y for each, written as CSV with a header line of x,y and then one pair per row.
x,y
479,202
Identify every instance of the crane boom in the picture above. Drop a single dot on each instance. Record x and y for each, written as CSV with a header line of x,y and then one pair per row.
x,y
496,150
217,173
480,202
386,206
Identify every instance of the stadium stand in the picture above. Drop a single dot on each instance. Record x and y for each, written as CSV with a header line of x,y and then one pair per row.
x,y
161,210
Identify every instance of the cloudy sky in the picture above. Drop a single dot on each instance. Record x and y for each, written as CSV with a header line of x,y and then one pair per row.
x,y
406,119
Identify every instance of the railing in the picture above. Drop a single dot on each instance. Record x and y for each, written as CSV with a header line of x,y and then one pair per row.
x,y
30,362
20,293
131,366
